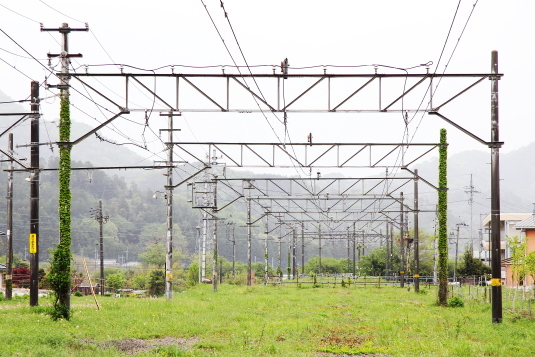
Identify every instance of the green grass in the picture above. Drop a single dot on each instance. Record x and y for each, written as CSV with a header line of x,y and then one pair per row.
x,y
267,321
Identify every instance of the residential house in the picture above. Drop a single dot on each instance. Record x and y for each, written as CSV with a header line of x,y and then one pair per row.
x,y
3,269
526,230
508,225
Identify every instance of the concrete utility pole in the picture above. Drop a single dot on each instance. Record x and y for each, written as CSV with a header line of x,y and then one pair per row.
x,y
456,237
198,228
279,260
9,231
233,249
354,250
34,196
348,251
496,280
214,238
387,252
294,252
471,190
416,236
169,205
402,245
169,221
319,240
303,248
249,278
266,258
101,219
204,226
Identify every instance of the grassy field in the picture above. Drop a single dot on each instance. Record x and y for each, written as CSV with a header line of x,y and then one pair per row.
x,y
266,321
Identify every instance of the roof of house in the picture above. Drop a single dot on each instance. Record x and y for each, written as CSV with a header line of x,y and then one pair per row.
x,y
528,223
508,217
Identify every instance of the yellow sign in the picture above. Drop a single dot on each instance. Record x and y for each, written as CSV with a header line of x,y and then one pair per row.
x,y
402,272
416,275
33,243
495,282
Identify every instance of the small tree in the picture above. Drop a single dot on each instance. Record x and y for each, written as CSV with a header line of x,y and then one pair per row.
x,y
530,266
193,274
115,281
154,255
140,281
518,258
156,283
472,266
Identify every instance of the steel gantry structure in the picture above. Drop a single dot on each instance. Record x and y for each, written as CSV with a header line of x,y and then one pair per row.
x,y
313,93
331,202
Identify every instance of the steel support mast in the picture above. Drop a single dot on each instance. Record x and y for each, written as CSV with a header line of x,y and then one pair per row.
x,y
496,280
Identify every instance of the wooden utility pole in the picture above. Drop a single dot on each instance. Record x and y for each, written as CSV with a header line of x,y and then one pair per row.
x,y
34,196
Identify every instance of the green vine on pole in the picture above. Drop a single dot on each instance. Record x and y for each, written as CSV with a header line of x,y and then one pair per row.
x,y
60,268
443,220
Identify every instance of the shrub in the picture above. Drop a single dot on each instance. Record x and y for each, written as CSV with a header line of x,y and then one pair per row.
x,y
423,291
156,283
456,302
78,293
193,274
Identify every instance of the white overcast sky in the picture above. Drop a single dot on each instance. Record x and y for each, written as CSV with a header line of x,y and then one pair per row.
x,y
151,34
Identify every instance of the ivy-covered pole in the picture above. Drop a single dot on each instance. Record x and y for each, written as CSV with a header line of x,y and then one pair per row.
x,y
60,268
443,220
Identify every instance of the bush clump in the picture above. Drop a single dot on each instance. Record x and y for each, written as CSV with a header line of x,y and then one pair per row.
x,y
455,302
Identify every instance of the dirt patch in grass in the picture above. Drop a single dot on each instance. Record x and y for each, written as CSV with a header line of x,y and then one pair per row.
x,y
326,354
132,346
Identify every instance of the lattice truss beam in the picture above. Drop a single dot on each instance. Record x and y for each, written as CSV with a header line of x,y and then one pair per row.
x,y
305,155
299,93
333,202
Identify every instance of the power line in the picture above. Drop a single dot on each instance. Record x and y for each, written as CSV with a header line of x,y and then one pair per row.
x,y
448,36
26,17
59,12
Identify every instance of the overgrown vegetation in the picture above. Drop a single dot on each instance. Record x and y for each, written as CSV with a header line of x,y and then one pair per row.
x,y
59,276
